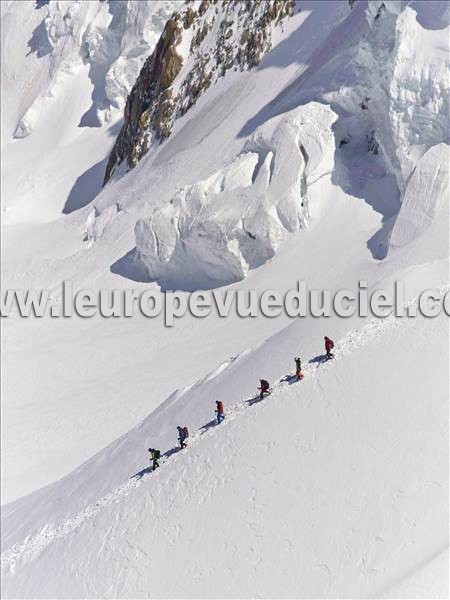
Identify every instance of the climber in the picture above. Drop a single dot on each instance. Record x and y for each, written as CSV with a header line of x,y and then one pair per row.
x,y
298,368
220,412
183,434
329,345
155,455
264,389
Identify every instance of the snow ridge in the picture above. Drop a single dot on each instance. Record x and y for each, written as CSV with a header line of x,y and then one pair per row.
x,y
356,339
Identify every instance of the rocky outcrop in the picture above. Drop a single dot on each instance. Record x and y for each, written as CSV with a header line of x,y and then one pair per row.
x,y
199,44
149,101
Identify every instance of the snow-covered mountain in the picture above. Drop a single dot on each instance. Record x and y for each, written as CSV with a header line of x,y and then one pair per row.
x,y
383,105
68,68
241,146
199,44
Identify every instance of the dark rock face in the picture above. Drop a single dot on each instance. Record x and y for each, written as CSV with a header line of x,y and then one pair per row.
x,y
149,100
215,37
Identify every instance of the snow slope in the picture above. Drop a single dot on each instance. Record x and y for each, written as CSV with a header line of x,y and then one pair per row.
x,y
333,487
85,373
67,68
339,505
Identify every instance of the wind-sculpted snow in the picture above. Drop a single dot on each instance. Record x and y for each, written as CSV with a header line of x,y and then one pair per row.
x,y
112,38
211,233
426,197
66,70
385,75
419,90
406,103
396,84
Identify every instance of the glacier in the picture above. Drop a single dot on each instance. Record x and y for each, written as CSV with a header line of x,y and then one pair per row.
x,y
316,151
211,233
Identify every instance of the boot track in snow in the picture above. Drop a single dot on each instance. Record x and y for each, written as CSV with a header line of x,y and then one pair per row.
x,y
354,340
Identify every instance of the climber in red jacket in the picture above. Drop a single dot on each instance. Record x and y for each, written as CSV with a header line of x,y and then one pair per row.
x,y
220,412
329,345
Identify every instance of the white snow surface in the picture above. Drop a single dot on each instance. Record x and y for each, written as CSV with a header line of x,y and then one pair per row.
x,y
66,68
211,233
426,196
333,487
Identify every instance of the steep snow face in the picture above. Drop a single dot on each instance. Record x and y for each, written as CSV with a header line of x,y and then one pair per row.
x,y
212,232
67,68
409,84
419,113
391,100
407,97
426,197
384,71
112,38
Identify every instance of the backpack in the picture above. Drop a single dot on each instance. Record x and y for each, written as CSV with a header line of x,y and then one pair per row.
x,y
157,454
220,408
185,432
264,383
